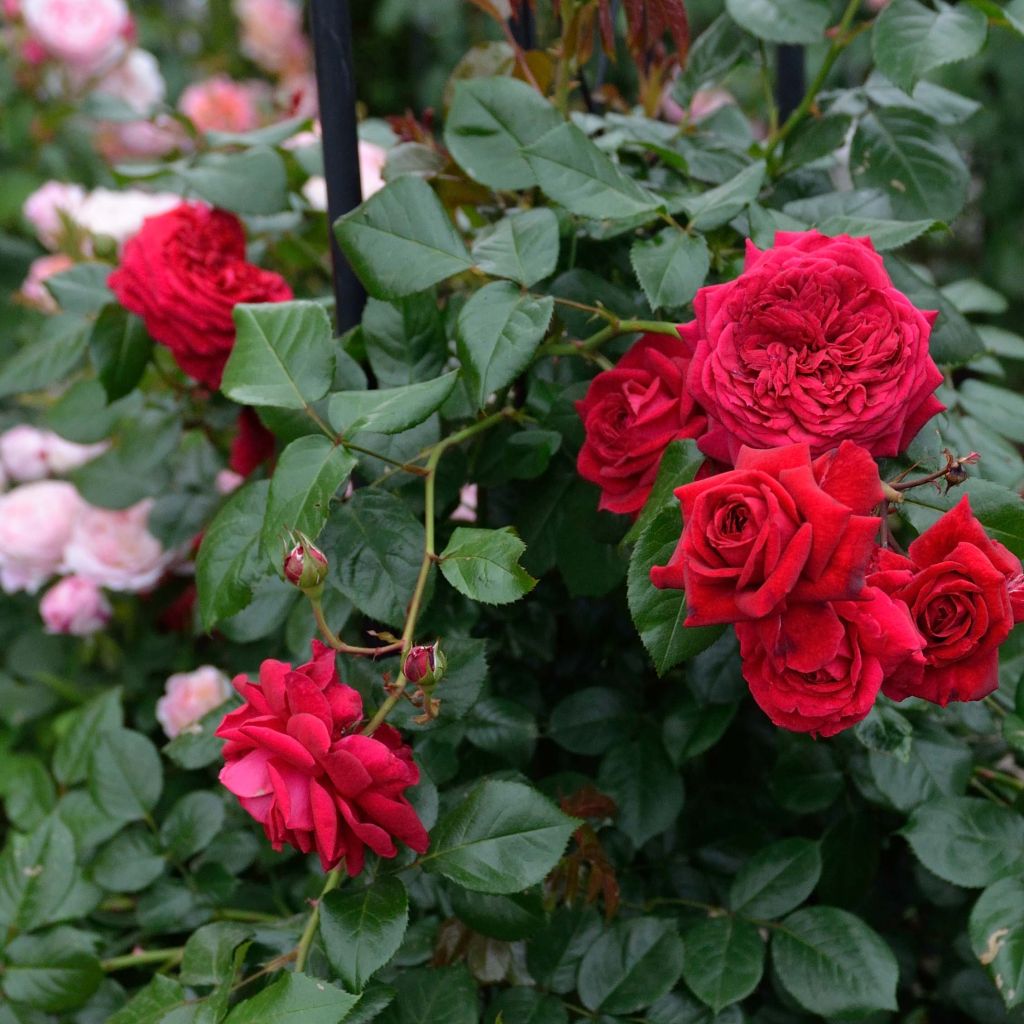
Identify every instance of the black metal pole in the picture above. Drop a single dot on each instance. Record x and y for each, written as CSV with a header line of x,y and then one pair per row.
x,y
790,79
522,26
331,28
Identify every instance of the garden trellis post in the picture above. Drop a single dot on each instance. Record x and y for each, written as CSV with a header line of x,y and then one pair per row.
x,y
790,79
331,28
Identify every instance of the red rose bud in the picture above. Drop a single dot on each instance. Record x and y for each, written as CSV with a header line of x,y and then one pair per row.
x,y
425,666
305,566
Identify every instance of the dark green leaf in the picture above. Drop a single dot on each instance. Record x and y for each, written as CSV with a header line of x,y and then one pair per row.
x,y
45,359
82,289
521,246
120,349
723,960
405,340
252,181
508,918
130,862
590,720
36,873
645,786
192,824
670,266
997,937
446,995
885,730
782,21
294,997
484,565
52,972
719,205
389,410
71,758
125,776
503,728
151,1004
690,727
776,879
679,463
936,765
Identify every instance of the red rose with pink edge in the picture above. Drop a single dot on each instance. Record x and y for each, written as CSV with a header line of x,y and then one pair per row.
x,y
817,668
812,344
631,413
778,528
184,273
964,593
298,764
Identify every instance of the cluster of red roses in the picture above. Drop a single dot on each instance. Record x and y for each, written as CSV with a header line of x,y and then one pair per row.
x,y
797,374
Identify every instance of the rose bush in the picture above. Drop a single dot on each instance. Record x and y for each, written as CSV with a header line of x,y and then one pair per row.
x,y
627,322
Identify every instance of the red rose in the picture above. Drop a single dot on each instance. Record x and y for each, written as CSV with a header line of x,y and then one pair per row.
x,y
962,589
297,764
818,667
252,445
813,344
631,413
183,273
778,527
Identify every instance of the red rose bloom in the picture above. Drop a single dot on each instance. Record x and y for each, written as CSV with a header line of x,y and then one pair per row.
x,y
963,590
297,764
631,413
812,344
252,445
776,528
818,667
183,273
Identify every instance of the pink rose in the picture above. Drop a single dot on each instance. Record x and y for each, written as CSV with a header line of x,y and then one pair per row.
x,y
136,81
74,606
812,344
48,208
468,501
83,33
115,550
36,521
28,453
272,34
33,290
372,159
125,140
190,695
221,104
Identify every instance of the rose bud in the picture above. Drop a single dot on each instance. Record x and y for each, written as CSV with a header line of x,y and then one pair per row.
x,y
425,665
305,565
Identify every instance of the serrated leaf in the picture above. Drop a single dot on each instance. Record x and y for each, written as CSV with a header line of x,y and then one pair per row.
x,y
36,873
125,775
401,240
191,825
502,838
484,565
670,266
389,410
723,960
521,246
718,206
884,234
647,790
590,720
130,862
71,758
782,21
910,39
776,879
45,359
120,349
362,930
253,181
996,930
210,952
52,972
82,289
679,464
833,964
886,731
294,997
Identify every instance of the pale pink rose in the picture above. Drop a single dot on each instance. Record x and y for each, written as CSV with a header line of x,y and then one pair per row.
x,y
372,159
28,453
272,34
221,104
126,140
48,207
74,606
190,695
136,81
315,192
33,290
82,33
36,521
466,512
114,549
228,481
297,95
119,215
703,103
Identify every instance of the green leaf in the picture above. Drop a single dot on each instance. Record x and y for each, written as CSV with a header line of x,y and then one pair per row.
x,y
573,172
489,122
71,758
968,842
679,464
936,765
521,246
996,930
631,964
378,547
405,339
833,964
401,240
52,972
723,960
120,349
210,952
484,565
782,21
45,359
999,408
445,995
645,786
910,157
130,862
884,234
554,955
508,918
253,181
193,823
658,614
590,720
953,340
670,266
503,728
36,873
307,476
719,205
82,289
972,296
776,879
502,838
526,1006
814,139
886,731
910,39
283,355
227,563
150,1005
690,728
389,410
497,333
294,997
362,930
125,776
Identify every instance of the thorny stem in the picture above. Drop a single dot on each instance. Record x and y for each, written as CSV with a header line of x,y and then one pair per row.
x,y
952,463
1002,777
615,328
325,428
333,640
302,950
170,957
524,64
840,41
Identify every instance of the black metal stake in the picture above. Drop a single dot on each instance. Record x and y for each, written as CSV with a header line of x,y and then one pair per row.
x,y
331,28
790,79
